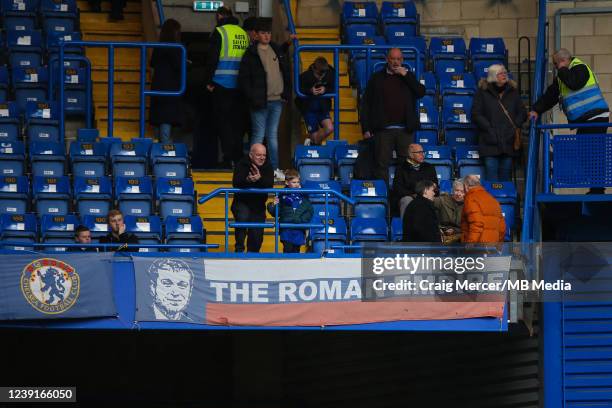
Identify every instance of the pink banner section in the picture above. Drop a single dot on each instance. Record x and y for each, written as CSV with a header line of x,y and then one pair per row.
x,y
343,313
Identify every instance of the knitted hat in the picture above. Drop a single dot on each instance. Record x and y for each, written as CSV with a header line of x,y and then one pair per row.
x,y
263,24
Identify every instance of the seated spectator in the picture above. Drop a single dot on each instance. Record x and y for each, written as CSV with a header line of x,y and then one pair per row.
x,y
407,174
482,220
318,80
294,208
253,171
117,234
82,235
499,113
420,219
449,208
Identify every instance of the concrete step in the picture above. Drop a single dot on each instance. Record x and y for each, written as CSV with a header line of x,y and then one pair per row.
x,y
130,7
124,129
123,92
99,22
131,76
121,112
320,31
125,58
318,41
112,36
351,132
219,238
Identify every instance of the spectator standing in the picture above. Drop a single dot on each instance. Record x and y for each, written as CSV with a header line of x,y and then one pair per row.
x,y
482,220
253,171
388,111
449,208
293,208
228,44
166,111
82,235
575,86
316,81
265,81
117,234
499,113
407,174
420,222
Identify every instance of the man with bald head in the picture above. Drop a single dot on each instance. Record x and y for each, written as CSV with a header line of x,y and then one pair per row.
x,y
388,111
407,174
253,171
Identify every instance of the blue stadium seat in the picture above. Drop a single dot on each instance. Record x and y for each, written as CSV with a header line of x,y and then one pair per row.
x,y
175,197
51,195
440,157
169,160
75,91
481,68
93,195
58,25
107,142
426,137
88,135
402,12
48,159
355,34
345,157
336,233
428,80
468,161
446,186
147,229
97,224
147,142
457,84
359,13
333,202
17,7
505,192
184,230
25,48
42,123
88,159
10,124
12,157
30,85
18,228
14,194
460,137
52,43
457,111
128,159
488,49
428,113
58,7
314,163
332,211
18,23
397,228
370,198
4,83
134,195
448,54
394,33
369,230
58,229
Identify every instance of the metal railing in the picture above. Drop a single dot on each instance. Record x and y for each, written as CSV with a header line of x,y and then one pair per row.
x,y
143,46
277,225
160,12
335,48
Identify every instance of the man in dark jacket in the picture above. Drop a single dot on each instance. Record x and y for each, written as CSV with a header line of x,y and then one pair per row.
x,y
117,234
253,171
221,79
265,81
317,80
82,235
388,111
420,219
407,174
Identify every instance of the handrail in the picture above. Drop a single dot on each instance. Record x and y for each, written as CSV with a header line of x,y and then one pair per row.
x,y
276,191
160,12
88,91
336,48
290,22
111,45
103,246
573,125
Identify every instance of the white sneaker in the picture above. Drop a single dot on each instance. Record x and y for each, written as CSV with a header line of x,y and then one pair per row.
x,y
307,141
279,175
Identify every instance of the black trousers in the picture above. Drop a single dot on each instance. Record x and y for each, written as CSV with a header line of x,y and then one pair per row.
x,y
116,6
594,130
385,141
244,213
289,248
230,112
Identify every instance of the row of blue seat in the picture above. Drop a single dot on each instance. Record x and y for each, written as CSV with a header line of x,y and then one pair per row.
x,y
133,159
30,48
94,195
25,228
47,7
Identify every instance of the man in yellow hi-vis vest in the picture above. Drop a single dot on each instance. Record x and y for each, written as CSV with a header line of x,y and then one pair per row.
x,y
228,44
576,88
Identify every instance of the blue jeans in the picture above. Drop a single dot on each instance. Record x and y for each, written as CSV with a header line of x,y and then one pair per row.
x,y
164,132
498,168
265,123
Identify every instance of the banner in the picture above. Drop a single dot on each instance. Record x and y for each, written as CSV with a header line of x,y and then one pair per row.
x,y
277,292
37,286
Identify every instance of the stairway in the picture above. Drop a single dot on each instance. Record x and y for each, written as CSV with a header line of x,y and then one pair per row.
x,y
97,27
213,211
350,129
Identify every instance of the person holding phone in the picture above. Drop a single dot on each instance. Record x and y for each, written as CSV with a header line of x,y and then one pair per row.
x,y
253,171
315,82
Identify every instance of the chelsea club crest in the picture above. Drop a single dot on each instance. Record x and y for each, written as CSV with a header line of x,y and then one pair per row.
x,y
50,286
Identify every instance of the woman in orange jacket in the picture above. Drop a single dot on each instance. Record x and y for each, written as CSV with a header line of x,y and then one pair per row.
x,y
482,220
